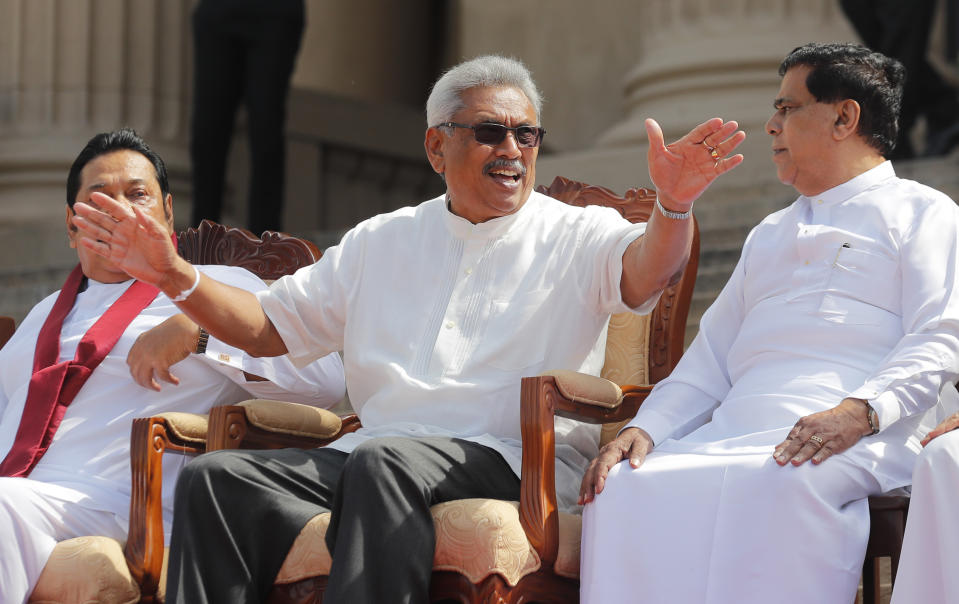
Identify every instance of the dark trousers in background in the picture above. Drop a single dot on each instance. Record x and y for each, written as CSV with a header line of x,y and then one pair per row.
x,y
245,51
901,30
238,513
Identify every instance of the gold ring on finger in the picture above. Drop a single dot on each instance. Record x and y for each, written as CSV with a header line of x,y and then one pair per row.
x,y
815,438
713,153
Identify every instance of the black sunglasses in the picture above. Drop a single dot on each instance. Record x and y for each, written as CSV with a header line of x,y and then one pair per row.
x,y
490,133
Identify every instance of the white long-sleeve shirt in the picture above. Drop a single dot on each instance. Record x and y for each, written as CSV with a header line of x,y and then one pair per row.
x,y
90,451
439,319
850,293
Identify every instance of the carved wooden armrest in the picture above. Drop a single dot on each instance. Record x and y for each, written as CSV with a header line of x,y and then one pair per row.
x,y
266,424
150,437
586,398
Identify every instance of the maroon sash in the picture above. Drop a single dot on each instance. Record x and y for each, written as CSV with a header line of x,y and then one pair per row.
x,y
54,385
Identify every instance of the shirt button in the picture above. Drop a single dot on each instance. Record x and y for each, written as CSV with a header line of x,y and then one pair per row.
x,y
807,262
450,324
819,201
468,271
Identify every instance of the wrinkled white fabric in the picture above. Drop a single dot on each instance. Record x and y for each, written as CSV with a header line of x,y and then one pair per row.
x,y
845,294
930,551
85,474
439,319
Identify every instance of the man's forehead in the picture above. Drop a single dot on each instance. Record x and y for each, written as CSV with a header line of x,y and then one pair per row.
x,y
104,180
793,85
126,166
493,101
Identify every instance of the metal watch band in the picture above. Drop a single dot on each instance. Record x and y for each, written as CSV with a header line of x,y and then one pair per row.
x,y
873,418
671,214
202,341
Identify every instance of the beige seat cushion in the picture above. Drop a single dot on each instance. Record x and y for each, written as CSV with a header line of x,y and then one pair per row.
x,y
86,569
475,537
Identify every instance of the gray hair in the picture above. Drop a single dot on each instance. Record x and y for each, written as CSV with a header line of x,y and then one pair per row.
x,y
487,70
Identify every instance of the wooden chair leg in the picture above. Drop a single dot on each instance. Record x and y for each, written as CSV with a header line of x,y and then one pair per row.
x,y
870,581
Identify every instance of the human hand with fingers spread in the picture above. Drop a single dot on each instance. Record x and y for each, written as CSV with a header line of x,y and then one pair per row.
x,y
682,170
127,236
821,435
632,444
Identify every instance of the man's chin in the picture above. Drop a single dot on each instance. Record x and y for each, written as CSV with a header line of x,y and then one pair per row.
x,y
786,177
510,205
104,273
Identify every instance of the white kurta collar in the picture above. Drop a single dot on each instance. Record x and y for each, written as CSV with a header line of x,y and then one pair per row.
x,y
95,283
852,187
491,229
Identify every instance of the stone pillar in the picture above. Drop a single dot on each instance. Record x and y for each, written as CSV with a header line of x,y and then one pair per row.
x,y
70,69
703,58
697,59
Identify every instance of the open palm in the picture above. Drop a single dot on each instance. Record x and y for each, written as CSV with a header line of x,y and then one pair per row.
x,y
126,236
682,170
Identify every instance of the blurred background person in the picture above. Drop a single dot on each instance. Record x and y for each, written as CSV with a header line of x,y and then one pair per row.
x,y
243,50
901,30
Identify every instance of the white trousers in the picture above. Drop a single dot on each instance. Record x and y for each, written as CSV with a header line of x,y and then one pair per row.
x,y
720,529
930,553
34,516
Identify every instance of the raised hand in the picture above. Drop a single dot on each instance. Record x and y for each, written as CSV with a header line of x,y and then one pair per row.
x,y
682,170
127,236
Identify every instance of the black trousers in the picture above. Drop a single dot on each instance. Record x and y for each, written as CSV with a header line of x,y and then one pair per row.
x,y
244,50
238,512
901,30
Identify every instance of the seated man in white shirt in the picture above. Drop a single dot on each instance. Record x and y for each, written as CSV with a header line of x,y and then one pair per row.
x,y
930,550
836,332
67,394
440,310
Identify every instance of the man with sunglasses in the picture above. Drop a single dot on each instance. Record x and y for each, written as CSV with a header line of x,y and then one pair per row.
x,y
440,310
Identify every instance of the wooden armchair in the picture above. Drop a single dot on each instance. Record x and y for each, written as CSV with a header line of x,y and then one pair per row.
x,y
495,551
138,578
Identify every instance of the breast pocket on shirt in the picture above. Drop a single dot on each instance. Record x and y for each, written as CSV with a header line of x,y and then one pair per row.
x,y
517,333
863,288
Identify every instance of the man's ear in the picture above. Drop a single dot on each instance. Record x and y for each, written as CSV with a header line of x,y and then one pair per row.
x,y
434,143
72,232
168,210
847,119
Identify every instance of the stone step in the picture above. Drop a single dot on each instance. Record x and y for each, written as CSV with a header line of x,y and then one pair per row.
x,y
710,280
21,289
725,233
719,256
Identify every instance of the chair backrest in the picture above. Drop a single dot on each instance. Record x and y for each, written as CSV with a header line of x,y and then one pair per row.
x,y
7,327
268,257
639,349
